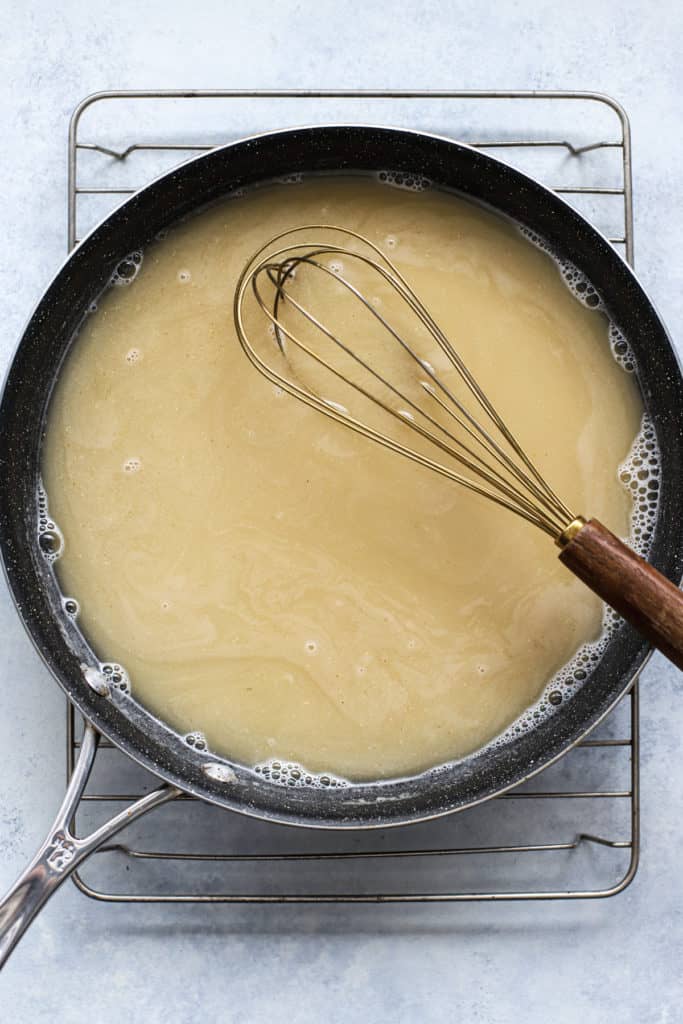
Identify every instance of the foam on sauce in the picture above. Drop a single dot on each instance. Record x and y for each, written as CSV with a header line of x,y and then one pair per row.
x,y
286,594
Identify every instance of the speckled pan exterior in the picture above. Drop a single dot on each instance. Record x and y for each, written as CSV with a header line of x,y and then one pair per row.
x,y
48,336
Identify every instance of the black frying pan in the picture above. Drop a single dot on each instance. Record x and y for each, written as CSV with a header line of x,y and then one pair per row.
x,y
31,579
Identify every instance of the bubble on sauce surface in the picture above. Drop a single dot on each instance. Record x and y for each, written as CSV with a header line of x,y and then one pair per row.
x,y
640,474
288,773
405,180
51,543
641,468
576,280
311,647
132,465
621,350
127,270
71,607
184,276
196,740
133,355
116,676
50,537
583,290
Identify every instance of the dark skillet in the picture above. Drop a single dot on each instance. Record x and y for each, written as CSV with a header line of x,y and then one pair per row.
x,y
47,339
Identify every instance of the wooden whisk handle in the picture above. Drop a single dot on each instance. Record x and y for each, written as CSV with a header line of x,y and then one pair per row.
x,y
623,579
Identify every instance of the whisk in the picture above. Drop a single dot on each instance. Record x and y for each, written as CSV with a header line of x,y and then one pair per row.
x,y
453,427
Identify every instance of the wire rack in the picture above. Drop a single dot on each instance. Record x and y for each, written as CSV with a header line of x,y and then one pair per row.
x,y
572,832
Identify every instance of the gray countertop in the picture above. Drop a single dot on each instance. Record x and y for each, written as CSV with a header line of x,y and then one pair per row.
x,y
617,959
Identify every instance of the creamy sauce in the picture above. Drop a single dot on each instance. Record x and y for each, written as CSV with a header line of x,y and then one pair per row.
x,y
283,586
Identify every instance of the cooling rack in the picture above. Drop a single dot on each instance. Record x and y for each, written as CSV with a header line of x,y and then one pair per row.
x,y
570,833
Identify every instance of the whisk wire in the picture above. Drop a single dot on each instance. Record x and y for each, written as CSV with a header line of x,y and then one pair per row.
x,y
278,274
400,284
519,488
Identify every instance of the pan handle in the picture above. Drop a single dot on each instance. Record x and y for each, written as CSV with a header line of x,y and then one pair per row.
x,y
635,589
62,852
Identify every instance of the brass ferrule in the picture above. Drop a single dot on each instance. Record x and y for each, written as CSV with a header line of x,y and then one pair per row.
x,y
570,531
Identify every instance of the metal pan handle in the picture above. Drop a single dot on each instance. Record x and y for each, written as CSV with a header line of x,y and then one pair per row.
x,y
62,852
